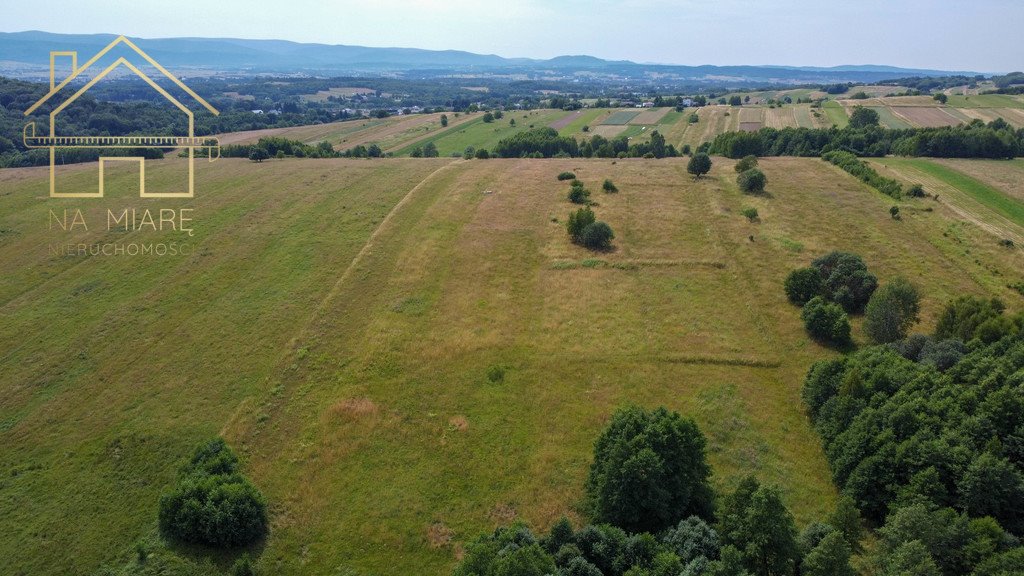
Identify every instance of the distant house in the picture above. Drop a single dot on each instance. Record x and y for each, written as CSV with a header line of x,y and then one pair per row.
x,y
647,104
257,111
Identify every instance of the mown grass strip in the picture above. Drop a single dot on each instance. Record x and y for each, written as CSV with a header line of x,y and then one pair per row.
x,y
983,193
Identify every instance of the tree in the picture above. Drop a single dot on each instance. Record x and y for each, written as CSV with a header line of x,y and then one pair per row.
x,y
566,176
482,154
735,101
831,557
891,311
752,181
862,117
374,151
993,486
846,280
259,154
430,150
803,284
746,163
940,98
826,321
609,186
488,117
910,559
699,165
597,236
417,152
692,538
578,193
577,221
212,504
962,317
894,212
444,120
649,471
846,519
756,522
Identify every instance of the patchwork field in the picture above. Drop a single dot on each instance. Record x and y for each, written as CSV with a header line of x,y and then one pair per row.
x,y
407,352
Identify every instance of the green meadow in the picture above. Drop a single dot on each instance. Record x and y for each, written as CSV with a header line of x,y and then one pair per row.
x,y
408,352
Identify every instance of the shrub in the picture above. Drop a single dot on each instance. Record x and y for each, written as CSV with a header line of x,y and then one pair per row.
x,y
867,174
750,212
826,321
916,191
803,284
693,119
846,280
862,117
609,186
259,154
212,504
578,194
746,163
482,154
566,176
752,181
894,212
962,317
597,236
649,471
577,221
699,165
891,311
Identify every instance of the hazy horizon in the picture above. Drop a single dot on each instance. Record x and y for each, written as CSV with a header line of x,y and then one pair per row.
x,y
908,34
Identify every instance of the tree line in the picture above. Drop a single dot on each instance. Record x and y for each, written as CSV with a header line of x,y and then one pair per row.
x,y
997,139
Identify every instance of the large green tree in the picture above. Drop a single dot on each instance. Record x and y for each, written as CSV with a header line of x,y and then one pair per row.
x,y
649,471
891,311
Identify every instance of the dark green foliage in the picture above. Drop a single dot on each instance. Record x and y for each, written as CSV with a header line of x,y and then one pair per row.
x,y
993,486
942,354
699,164
831,557
896,430
597,236
566,176
545,141
738,144
756,522
212,504
693,118
259,154
803,284
509,551
910,559
862,117
846,519
578,193
846,280
826,321
865,173
972,140
649,471
488,117
578,221
430,150
894,212
941,98
752,181
692,538
916,191
482,154
746,163
964,317
891,311
444,120
609,186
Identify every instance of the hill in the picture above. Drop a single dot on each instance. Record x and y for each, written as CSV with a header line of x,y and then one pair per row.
x,y
27,53
427,322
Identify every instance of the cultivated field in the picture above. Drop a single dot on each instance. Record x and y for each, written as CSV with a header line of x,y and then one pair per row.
x,y
407,352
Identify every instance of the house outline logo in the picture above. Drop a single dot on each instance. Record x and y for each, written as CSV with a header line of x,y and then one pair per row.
x,y
53,142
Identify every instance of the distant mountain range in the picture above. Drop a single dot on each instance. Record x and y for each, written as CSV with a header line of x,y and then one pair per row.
x,y
25,54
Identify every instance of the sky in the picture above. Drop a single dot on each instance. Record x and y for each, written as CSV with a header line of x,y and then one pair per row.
x,y
975,35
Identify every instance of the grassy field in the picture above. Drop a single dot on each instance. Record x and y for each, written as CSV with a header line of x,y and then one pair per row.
x,y
836,113
999,211
408,352
480,134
